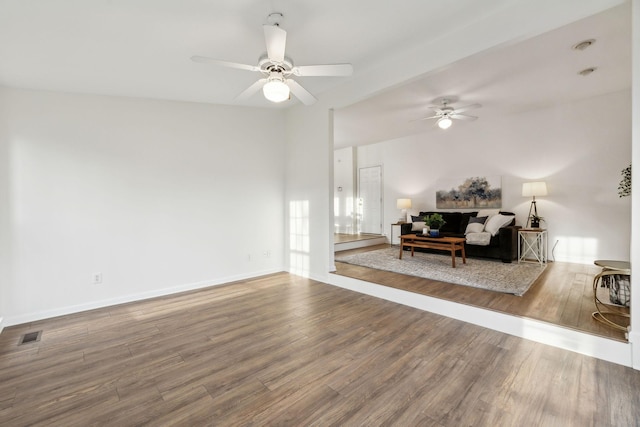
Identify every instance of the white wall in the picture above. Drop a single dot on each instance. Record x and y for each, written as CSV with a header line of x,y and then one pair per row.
x,y
634,336
579,149
309,188
157,196
5,229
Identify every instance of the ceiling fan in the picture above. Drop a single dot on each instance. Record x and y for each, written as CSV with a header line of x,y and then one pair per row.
x,y
277,69
446,114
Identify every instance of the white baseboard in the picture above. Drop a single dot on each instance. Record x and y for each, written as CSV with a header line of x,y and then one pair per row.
x,y
345,246
1,324
572,260
319,278
634,339
542,332
61,311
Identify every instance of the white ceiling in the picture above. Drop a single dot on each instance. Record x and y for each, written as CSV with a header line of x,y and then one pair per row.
x,y
536,73
141,48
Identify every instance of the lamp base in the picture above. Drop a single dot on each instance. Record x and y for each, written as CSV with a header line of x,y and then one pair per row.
x,y
533,208
403,218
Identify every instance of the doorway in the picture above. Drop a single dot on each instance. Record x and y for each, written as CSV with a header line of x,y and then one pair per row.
x,y
370,200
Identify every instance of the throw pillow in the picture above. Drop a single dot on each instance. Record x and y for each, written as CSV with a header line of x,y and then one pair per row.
x,y
476,224
465,220
488,212
478,219
496,222
474,227
417,218
511,214
418,226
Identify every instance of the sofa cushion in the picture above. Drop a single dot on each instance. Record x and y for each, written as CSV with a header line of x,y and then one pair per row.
x,y
482,238
452,221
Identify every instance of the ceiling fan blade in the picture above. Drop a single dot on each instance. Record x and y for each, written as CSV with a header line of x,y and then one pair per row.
x,y
323,70
423,118
301,93
466,108
205,60
432,117
462,117
276,39
251,90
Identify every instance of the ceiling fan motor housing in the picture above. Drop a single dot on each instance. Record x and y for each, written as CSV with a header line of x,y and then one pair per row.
x,y
266,65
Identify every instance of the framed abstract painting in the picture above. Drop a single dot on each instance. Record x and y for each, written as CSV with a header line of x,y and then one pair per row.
x,y
478,192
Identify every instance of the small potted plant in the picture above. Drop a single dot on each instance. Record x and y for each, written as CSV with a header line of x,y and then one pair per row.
x,y
434,222
535,221
624,189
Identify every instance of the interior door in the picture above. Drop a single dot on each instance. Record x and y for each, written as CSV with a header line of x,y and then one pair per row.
x,y
370,200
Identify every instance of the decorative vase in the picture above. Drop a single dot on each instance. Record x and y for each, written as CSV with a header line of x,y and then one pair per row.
x,y
535,223
434,233
425,231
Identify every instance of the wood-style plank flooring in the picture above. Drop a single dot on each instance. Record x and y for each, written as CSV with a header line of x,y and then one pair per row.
x,y
284,350
562,295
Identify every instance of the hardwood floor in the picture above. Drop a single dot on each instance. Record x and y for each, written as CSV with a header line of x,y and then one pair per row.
x,y
562,295
284,350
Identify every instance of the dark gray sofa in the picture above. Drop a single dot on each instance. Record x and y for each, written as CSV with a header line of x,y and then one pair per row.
x,y
503,246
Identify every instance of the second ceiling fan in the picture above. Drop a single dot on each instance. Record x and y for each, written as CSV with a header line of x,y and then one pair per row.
x,y
277,69
446,114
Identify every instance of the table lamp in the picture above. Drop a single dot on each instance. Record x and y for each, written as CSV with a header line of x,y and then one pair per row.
x,y
403,204
533,189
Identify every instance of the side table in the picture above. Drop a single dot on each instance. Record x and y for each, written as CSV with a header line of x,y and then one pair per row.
x,y
532,242
613,274
395,224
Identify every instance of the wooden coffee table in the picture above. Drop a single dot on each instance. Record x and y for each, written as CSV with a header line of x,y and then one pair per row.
x,y
451,244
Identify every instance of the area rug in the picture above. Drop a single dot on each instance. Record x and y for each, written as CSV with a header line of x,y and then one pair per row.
x,y
496,276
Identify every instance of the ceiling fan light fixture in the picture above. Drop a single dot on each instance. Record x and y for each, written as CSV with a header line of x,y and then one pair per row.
x,y
444,123
276,90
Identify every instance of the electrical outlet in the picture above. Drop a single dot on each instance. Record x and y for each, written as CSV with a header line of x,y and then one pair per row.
x,y
97,278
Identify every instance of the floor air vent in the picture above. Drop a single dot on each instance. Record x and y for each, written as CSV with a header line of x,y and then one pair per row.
x,y
30,337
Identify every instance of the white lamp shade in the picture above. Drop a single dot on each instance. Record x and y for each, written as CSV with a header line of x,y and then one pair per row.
x,y
444,123
533,189
403,203
276,91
